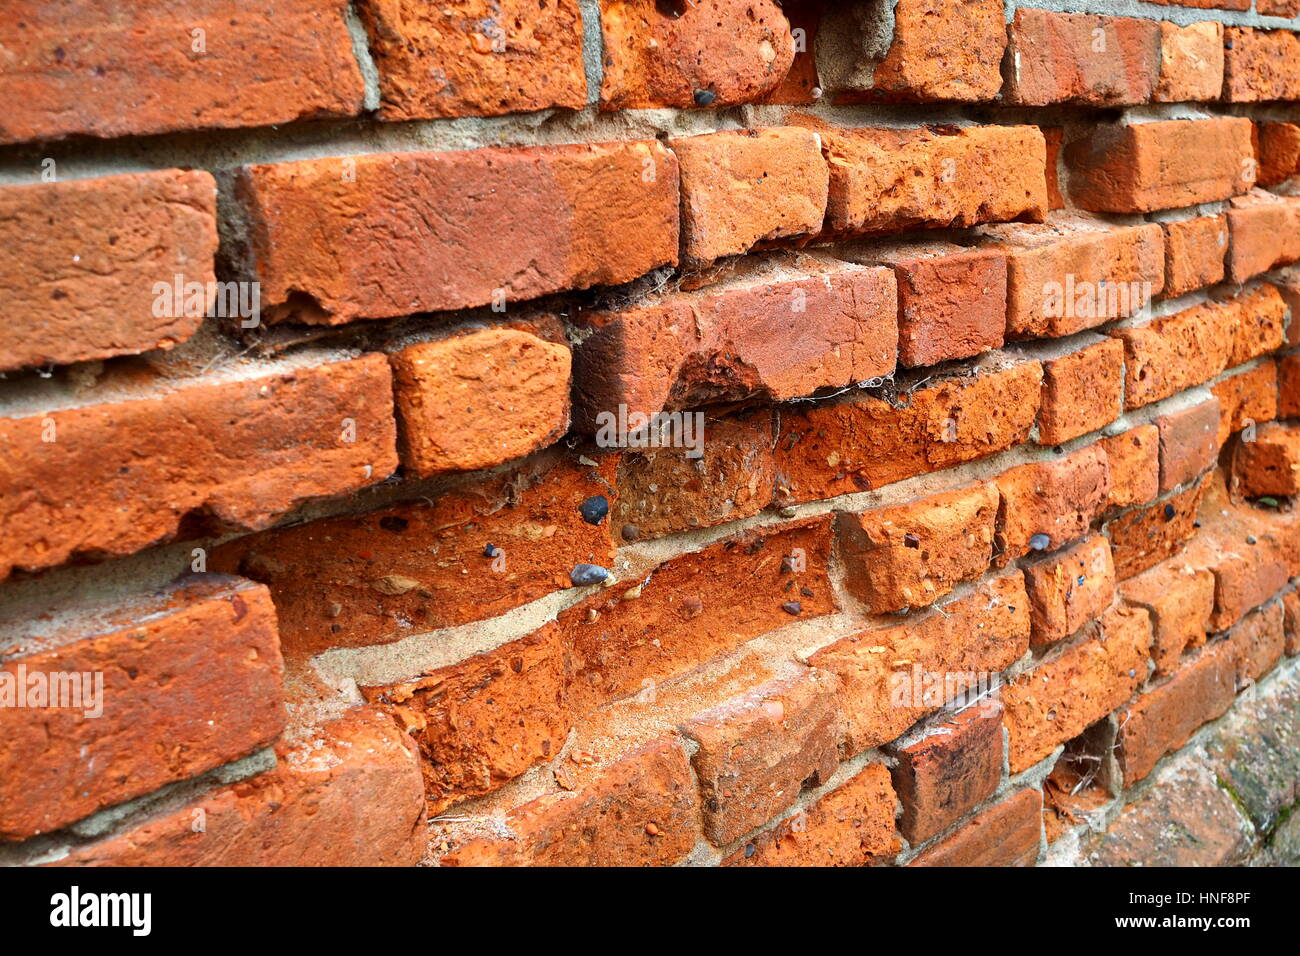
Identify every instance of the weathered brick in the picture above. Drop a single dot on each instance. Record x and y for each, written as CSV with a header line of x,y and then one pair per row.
x,y
938,50
851,446
475,58
1006,834
1180,600
157,687
947,773
1249,397
77,67
1074,58
852,825
911,554
1074,273
1277,146
1189,442
801,81
1069,588
1147,535
1067,693
1248,568
121,475
742,187
1260,65
350,796
755,750
1083,389
419,237
893,676
1288,386
713,53
1058,498
1194,253
1134,459
80,280
1269,465
1265,232
1168,355
1291,621
952,301
479,399
1142,167
1191,62
888,180
1257,642
419,565
778,327
1055,137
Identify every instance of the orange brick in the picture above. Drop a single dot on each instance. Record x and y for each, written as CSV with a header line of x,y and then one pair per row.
x,y
1260,65
1008,833
1194,253
1147,535
1278,149
1069,588
1247,398
1269,465
1056,500
1189,443
1191,62
1083,389
1291,628
1264,233
1134,458
1288,386
1180,600
1257,642
1167,355
1074,58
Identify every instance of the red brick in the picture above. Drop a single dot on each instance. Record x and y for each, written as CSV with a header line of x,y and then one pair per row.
x,y
952,301
416,566
1147,535
742,187
799,83
640,810
1288,386
122,475
475,58
662,490
1083,389
944,775
1189,442
938,50
888,180
348,797
1248,569
194,684
852,446
1069,588
417,236
736,50
1194,253
79,67
894,675
1074,273
1246,398
1165,717
1269,465
1055,137
483,721
1260,65
1073,58
1069,692
911,554
1264,231
1277,147
1180,600
852,825
778,327
1134,458
479,399
1278,8
755,750
1006,834
696,607
1260,323
1147,166
1257,642
1168,355
1191,62
84,257
1058,498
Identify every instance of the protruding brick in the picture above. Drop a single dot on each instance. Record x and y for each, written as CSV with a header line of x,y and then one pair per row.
x,y
1269,465
713,53
1147,535
942,776
1083,389
1194,253
1180,600
1191,62
1265,233
909,555
87,259
778,327
742,187
852,446
122,475
479,399
1056,499
1260,65
419,236
1067,693
1008,833
78,67
475,58
1142,167
1068,589
755,750
1168,355
938,50
1075,58
1278,149
1248,397
1188,442
1134,459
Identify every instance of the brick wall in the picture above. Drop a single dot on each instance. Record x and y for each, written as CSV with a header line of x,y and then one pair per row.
x,y
962,531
